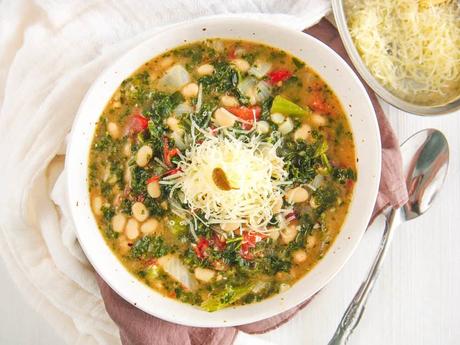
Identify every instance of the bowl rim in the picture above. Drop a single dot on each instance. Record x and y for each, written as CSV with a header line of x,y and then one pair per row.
x,y
113,272
374,84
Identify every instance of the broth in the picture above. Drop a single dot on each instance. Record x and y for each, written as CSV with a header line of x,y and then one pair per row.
x,y
221,172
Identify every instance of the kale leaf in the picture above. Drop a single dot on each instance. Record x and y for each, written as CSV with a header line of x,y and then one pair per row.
x,y
325,197
150,247
135,90
301,161
224,79
139,178
342,175
154,207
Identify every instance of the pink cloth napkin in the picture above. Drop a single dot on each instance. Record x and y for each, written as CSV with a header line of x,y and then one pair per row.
x,y
139,328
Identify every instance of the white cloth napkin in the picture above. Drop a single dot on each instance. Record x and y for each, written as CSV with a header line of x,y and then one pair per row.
x,y
51,51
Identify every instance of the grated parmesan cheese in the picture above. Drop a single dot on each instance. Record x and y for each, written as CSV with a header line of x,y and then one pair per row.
x,y
412,47
253,169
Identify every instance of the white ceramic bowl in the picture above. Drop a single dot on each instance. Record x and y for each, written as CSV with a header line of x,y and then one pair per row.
x,y
366,135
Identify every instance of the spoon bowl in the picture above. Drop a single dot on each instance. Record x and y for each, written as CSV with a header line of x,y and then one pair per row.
x,y
426,171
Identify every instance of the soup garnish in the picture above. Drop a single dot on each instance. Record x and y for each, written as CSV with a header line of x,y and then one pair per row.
x,y
412,47
221,172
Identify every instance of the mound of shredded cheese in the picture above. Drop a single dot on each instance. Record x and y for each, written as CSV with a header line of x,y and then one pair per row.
x,y
252,168
411,46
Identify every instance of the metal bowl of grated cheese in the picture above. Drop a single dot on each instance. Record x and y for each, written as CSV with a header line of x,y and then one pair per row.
x,y
408,51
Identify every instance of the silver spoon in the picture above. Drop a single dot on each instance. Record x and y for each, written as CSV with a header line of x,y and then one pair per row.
x,y
425,157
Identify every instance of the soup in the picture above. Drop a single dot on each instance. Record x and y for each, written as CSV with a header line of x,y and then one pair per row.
x,y
221,172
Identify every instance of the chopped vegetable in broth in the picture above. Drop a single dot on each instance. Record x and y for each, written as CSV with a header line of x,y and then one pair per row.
x,y
221,172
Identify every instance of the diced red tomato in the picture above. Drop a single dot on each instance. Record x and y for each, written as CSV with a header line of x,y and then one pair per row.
x,y
136,122
278,75
349,184
245,253
200,248
150,262
172,171
246,113
231,54
318,103
291,216
220,243
250,238
168,154
247,126
153,179
158,177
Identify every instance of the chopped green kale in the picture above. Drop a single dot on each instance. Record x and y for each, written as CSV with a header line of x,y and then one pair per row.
x,y
150,247
325,197
342,175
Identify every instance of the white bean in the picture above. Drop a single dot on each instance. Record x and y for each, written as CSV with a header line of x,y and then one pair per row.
x,y
127,149
286,127
118,222
204,274
289,233
299,256
311,241
224,118
97,205
144,155
296,195
132,229
262,127
173,123
139,211
127,175
277,118
149,226
229,101
190,90
318,120
241,64
154,190
229,226
303,132
114,130
277,205
205,69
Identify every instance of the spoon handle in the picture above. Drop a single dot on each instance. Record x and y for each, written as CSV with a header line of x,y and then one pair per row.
x,y
356,308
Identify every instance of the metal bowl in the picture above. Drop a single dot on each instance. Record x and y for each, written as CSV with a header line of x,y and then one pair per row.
x,y
379,89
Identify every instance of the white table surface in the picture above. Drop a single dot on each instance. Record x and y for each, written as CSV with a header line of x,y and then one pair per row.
x,y
415,301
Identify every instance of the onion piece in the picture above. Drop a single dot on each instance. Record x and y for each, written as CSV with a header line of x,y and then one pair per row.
x,y
260,69
263,91
183,108
174,78
173,266
246,86
177,136
317,181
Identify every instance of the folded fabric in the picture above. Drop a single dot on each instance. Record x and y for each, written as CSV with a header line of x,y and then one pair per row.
x,y
139,328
